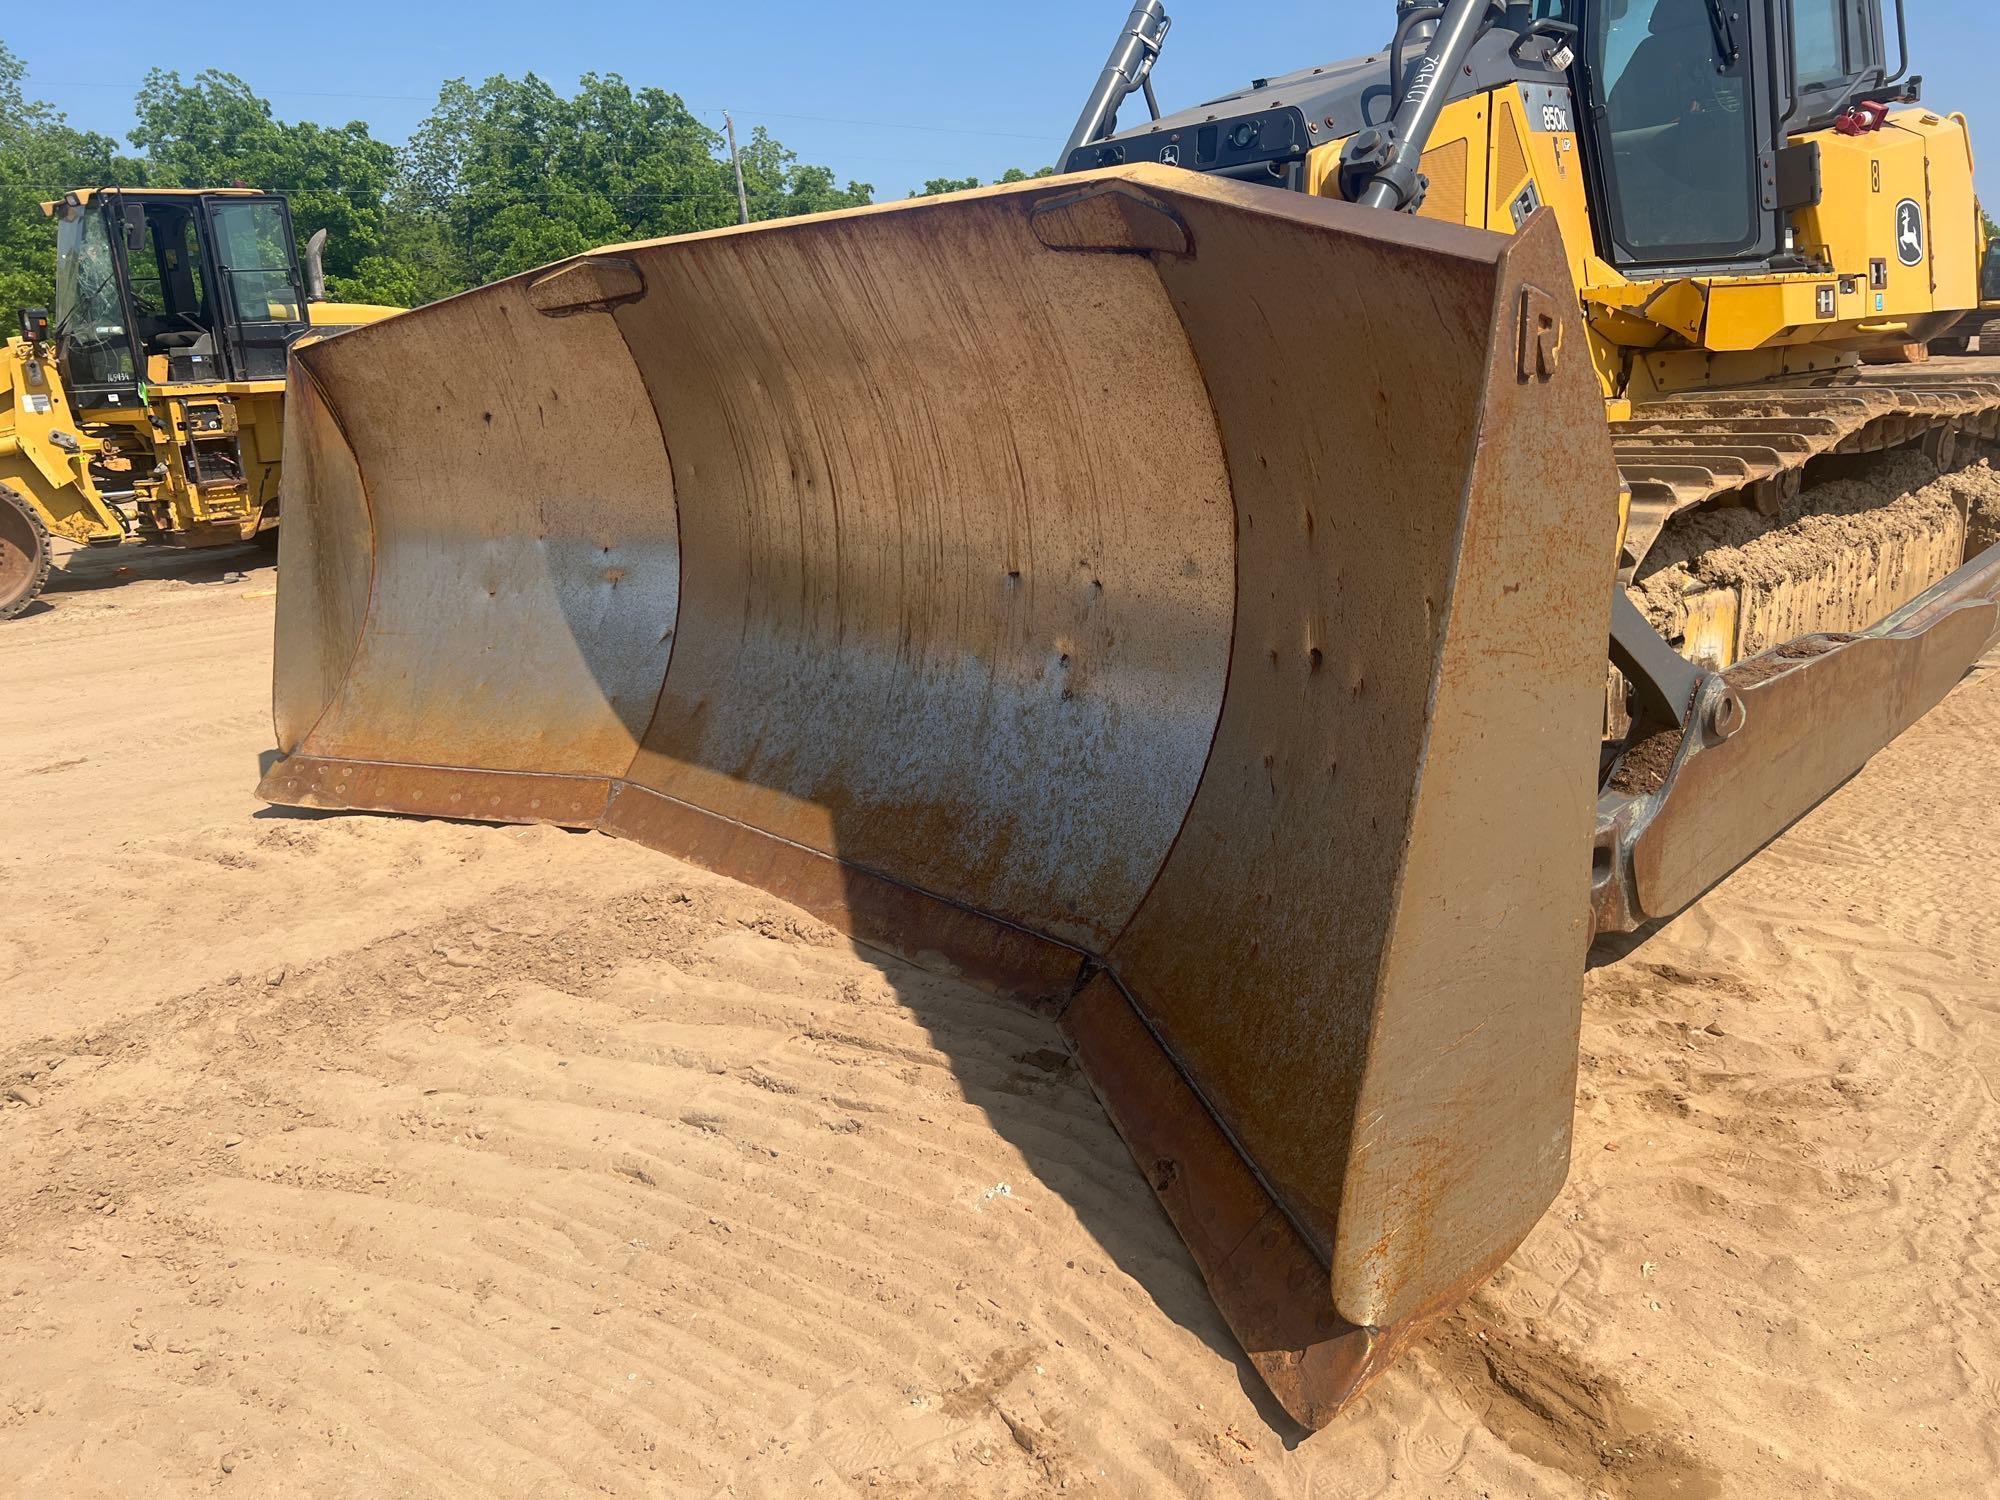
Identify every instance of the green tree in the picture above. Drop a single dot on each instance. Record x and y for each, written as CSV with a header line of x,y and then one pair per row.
x,y
216,132
938,186
511,175
501,177
41,157
779,187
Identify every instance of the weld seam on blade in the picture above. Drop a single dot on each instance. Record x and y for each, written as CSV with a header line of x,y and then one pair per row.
x,y
680,553
300,360
619,787
1320,1252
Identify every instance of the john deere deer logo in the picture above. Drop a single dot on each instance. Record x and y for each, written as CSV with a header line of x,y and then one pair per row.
x,y
1910,232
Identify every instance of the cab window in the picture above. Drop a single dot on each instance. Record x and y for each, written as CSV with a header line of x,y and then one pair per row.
x,y
254,252
1836,51
1819,34
168,305
95,344
1681,156
1524,18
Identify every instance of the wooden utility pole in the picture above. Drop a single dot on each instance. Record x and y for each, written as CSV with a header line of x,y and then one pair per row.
x,y
736,161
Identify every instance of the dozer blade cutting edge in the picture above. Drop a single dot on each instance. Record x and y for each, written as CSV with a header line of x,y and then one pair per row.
x,y
1176,603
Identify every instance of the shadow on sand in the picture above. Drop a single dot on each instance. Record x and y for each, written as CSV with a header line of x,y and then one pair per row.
x,y
1028,1094
91,570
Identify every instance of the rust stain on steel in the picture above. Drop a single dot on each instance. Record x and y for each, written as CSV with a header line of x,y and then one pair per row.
x,y
525,540
1172,591
957,547
1808,728
591,283
1437,752
1268,1280
439,792
1120,220
326,553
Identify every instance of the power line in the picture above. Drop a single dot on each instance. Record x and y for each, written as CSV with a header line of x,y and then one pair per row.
x,y
724,195
752,114
654,195
89,83
996,135
666,194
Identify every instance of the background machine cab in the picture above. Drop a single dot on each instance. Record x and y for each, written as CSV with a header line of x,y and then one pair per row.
x,y
175,309
208,282
150,405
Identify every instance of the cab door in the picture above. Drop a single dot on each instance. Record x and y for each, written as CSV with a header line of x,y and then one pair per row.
x,y
1684,137
255,265
95,347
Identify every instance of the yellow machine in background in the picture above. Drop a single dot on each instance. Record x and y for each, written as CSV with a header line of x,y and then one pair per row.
x,y
1181,593
151,405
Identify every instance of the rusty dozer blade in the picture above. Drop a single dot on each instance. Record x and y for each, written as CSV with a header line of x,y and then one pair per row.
x,y
1177,603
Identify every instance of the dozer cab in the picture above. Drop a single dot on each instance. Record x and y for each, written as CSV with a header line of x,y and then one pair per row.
x,y
1213,594
150,405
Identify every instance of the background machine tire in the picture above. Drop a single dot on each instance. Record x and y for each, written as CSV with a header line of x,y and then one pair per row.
x,y
24,554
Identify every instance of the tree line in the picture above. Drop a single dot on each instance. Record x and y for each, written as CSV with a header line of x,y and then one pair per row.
x,y
500,177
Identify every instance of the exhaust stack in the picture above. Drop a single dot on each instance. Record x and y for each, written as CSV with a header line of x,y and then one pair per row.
x,y
315,266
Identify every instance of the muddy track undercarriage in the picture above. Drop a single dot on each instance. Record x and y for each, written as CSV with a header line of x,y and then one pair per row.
x,y
1756,447
1740,692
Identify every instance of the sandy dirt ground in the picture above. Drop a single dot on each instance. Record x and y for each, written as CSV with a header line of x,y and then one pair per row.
x,y
353,1156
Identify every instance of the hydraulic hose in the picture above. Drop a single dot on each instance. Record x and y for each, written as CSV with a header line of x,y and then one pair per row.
x,y
1383,163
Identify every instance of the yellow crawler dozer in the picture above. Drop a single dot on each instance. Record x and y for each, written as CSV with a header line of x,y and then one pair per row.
x,y
1182,593
150,405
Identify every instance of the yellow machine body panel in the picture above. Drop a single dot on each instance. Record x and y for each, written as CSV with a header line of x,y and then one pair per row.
x,y
1483,158
1654,337
43,456
337,317
217,453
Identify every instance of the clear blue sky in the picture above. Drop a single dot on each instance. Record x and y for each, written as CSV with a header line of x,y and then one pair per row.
x,y
891,93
